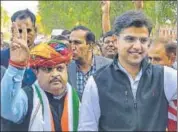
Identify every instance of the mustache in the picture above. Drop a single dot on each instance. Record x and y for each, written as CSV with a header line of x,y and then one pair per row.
x,y
55,79
111,47
139,52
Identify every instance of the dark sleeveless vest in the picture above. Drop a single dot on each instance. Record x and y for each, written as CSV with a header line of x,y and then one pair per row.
x,y
120,111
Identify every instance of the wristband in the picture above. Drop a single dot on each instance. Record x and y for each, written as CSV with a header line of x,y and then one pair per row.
x,y
17,64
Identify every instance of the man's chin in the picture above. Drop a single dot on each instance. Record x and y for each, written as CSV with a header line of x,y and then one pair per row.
x,y
56,87
110,55
135,62
57,90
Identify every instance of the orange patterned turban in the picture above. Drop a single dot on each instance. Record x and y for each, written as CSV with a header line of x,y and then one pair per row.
x,y
49,54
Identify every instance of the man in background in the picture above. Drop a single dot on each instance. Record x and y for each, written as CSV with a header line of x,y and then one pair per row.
x,y
163,52
108,47
84,63
23,17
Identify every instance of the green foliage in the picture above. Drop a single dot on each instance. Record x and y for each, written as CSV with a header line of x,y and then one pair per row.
x,y
67,14
5,20
119,7
5,24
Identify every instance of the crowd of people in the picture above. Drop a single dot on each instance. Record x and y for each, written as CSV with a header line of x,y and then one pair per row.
x,y
127,82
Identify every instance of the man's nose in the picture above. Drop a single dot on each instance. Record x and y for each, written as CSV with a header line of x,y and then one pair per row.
x,y
73,47
111,43
137,44
55,72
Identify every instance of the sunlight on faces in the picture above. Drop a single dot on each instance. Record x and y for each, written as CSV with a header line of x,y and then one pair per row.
x,y
31,31
157,55
53,80
132,51
78,44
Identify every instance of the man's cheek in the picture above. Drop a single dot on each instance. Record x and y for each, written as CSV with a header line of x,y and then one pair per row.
x,y
84,51
64,77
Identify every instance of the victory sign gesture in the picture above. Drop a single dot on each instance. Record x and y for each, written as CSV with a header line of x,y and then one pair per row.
x,y
19,51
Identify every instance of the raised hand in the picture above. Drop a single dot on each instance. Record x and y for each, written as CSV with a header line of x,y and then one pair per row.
x,y
19,51
138,4
105,6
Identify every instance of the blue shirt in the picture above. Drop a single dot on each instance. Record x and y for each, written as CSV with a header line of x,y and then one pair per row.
x,y
83,77
29,77
14,101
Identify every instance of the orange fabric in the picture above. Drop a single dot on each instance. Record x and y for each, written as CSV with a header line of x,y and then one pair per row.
x,y
64,120
17,64
52,122
44,51
44,55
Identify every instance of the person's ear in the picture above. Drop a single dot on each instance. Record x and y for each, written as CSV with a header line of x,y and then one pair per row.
x,y
116,37
36,30
90,38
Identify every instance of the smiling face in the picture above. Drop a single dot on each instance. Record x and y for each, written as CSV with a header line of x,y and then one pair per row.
x,y
132,44
108,48
53,80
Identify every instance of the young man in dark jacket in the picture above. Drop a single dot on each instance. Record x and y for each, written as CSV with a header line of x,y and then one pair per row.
x,y
130,94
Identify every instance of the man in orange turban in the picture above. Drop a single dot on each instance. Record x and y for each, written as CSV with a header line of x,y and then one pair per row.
x,y
50,104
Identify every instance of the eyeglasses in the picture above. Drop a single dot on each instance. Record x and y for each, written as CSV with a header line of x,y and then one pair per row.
x,y
108,42
50,69
133,39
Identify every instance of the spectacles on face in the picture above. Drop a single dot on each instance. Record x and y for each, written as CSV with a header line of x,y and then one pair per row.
x,y
75,42
133,39
108,42
50,69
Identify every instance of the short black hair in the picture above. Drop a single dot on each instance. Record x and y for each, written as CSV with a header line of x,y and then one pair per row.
x,y
80,27
90,37
107,34
129,19
60,37
23,14
171,47
65,32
